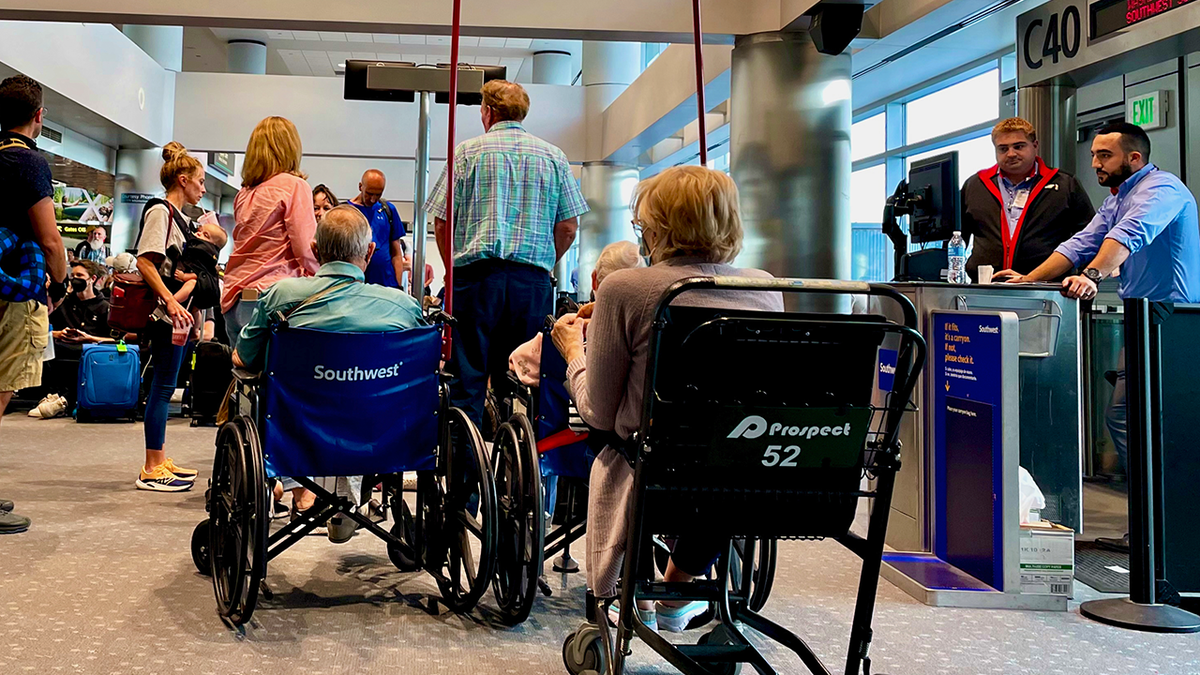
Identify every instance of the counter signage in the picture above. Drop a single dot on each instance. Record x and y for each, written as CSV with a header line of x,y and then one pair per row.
x,y
223,161
968,424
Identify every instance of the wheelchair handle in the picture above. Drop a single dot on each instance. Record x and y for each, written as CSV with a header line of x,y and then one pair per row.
x,y
788,285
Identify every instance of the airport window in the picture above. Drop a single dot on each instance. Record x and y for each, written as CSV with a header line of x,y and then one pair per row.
x,y
868,137
974,155
868,192
958,106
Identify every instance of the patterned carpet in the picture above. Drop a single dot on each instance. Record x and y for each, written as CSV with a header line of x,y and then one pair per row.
x,y
103,583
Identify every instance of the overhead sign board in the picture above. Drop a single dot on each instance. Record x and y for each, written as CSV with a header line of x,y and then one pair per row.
x,y
1074,42
1148,111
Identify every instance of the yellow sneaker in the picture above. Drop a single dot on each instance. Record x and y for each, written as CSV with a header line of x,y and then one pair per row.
x,y
185,474
162,480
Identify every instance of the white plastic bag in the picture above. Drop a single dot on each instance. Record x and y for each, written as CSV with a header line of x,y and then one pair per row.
x,y
1032,499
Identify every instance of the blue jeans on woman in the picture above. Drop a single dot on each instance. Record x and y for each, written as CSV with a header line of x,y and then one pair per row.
x,y
167,358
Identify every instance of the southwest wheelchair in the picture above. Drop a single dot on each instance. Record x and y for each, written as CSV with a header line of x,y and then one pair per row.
x,y
778,439
538,442
338,404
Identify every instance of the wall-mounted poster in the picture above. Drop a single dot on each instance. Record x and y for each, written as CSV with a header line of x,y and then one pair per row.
x,y
82,197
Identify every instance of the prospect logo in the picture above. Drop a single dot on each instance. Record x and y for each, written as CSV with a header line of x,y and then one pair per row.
x,y
751,427
355,374
755,426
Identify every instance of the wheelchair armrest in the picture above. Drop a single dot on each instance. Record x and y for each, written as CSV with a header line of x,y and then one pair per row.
x,y
245,376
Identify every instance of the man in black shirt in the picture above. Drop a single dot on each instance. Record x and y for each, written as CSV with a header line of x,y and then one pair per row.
x,y
26,209
83,315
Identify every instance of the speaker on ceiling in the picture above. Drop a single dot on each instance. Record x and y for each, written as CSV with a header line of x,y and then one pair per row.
x,y
834,26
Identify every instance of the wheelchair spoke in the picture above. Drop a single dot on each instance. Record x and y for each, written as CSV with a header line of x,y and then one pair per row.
x,y
471,523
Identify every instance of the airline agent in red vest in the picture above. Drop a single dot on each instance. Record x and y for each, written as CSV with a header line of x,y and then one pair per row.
x,y
1020,210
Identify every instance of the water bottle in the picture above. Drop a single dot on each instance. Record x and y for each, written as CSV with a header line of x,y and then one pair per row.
x,y
956,255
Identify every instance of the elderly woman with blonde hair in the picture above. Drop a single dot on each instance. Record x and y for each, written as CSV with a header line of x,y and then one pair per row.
x,y
689,223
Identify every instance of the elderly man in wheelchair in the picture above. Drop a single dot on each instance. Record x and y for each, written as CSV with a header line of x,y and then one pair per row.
x,y
335,377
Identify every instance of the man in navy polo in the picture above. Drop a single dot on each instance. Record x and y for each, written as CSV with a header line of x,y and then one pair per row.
x,y
387,231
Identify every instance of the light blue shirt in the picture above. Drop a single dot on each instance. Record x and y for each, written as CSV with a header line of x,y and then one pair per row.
x,y
510,189
1011,210
1152,214
354,308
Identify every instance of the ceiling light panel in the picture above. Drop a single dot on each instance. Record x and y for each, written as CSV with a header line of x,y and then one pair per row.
x,y
468,41
491,42
330,36
385,39
310,35
318,62
412,39
295,62
359,37
518,43
439,40
280,35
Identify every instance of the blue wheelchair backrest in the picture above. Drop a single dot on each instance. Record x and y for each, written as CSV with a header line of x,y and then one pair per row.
x,y
574,460
345,404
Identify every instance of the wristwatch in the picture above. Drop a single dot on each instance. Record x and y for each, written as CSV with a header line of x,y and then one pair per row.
x,y
1094,275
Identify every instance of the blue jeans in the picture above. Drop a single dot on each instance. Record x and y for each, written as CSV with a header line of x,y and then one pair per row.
x,y
167,359
236,319
499,305
1115,419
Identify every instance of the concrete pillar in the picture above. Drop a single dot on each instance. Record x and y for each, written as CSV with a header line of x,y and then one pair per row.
x,y
136,181
790,155
608,68
163,43
1050,108
552,67
247,56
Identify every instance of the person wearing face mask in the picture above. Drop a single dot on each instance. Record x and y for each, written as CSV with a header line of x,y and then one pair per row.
x,y
1148,229
80,319
1016,212
93,248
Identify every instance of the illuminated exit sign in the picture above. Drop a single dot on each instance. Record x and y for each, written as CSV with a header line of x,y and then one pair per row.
x,y
1148,111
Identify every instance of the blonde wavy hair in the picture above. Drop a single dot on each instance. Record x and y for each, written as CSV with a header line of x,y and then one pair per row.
x,y
507,100
176,162
274,148
692,211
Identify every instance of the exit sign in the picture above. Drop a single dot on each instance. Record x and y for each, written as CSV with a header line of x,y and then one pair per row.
x,y
1148,111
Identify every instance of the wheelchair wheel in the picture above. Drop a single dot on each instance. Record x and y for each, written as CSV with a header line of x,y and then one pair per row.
x,y
520,519
582,651
766,552
238,515
463,553
200,539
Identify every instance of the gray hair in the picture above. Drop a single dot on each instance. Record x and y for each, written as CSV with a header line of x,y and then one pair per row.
x,y
620,255
343,234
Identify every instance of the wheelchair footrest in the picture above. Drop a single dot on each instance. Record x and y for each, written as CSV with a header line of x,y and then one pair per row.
x,y
700,589
711,653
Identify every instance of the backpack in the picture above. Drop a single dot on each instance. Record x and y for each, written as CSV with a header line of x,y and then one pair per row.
x,y
133,301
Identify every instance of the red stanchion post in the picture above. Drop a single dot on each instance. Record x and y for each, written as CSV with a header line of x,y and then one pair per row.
x,y
448,258
698,38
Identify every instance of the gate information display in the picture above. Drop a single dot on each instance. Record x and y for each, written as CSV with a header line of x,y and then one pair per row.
x,y
1110,16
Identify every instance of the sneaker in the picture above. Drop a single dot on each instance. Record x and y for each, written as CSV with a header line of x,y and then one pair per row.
x,y
647,616
6,505
185,474
11,523
162,480
35,412
52,406
341,529
675,619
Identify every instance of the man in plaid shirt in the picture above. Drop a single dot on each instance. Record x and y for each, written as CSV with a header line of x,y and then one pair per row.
x,y
516,210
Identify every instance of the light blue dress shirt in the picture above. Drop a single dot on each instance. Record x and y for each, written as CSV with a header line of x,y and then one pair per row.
x,y
1010,191
1152,214
355,308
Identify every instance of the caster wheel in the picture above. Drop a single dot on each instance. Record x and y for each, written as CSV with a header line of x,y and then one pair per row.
x,y
404,530
582,651
200,556
720,636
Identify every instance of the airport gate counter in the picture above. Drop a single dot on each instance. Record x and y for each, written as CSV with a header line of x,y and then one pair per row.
x,y
1013,349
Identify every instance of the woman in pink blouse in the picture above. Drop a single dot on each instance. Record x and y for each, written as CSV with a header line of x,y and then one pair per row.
x,y
274,230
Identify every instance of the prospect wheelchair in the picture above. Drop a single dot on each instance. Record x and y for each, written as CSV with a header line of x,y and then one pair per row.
x,y
539,442
339,404
779,438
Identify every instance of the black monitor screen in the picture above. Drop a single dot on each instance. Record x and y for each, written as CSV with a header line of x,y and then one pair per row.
x,y
935,214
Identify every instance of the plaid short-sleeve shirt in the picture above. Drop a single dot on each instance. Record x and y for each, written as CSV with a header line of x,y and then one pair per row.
x,y
510,188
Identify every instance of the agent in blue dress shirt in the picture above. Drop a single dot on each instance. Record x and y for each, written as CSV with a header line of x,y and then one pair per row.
x,y
387,230
1148,228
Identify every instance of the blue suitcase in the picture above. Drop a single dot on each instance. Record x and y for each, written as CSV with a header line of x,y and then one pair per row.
x,y
109,381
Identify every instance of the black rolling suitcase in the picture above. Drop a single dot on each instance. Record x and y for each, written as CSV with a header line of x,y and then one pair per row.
x,y
212,371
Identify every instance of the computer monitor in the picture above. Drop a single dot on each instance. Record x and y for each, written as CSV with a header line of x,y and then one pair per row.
x,y
399,81
933,184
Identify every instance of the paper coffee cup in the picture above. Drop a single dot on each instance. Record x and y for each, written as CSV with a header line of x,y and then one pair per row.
x,y
985,274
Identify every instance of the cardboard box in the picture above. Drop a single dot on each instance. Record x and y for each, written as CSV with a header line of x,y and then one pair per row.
x,y
1047,559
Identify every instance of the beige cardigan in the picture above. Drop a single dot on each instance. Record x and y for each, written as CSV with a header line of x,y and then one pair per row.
x,y
611,397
